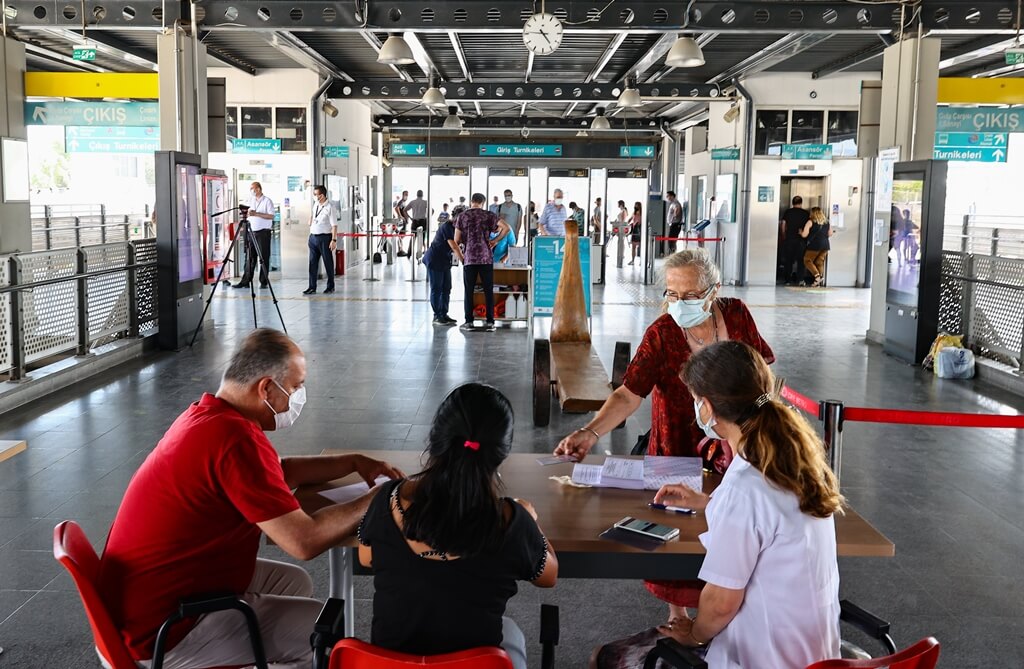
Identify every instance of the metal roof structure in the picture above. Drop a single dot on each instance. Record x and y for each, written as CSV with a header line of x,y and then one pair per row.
x,y
479,42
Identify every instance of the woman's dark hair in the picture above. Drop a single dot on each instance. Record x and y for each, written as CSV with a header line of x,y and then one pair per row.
x,y
732,376
622,203
637,207
456,507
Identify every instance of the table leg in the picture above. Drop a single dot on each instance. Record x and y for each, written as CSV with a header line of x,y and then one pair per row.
x,y
342,583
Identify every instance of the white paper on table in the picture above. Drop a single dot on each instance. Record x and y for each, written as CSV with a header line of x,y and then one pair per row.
x,y
623,473
586,474
347,493
662,470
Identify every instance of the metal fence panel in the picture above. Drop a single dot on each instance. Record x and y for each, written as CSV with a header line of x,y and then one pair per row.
x,y
49,318
6,340
997,310
145,284
107,298
951,292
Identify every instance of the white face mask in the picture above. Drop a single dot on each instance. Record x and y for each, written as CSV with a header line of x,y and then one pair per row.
x,y
508,198
558,202
296,400
689,313
708,427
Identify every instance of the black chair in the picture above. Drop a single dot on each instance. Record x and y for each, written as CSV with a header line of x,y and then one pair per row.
x,y
330,628
677,656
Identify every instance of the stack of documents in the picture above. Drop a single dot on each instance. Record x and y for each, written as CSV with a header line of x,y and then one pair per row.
x,y
650,473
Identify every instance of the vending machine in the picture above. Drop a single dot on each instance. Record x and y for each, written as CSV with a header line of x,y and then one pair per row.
x,y
216,221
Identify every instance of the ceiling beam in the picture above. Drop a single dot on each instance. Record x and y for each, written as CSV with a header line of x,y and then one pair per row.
x,y
302,54
514,93
75,39
460,54
775,53
609,52
529,68
649,59
854,59
995,70
62,58
984,51
101,37
226,58
374,42
517,122
419,52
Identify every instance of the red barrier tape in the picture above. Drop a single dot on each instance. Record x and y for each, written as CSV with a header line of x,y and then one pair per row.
x,y
934,418
801,402
689,239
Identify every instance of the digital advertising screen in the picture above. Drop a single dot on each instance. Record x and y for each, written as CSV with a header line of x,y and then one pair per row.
x,y
905,239
190,259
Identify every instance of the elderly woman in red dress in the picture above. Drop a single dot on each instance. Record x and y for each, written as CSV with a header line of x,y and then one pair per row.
x,y
695,318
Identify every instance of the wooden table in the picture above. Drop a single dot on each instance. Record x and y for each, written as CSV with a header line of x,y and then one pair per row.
x,y
572,518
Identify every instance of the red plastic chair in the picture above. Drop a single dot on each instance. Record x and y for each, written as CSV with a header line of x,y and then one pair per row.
x,y
72,549
355,654
922,655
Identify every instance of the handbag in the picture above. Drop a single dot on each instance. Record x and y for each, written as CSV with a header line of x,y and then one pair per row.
x,y
716,454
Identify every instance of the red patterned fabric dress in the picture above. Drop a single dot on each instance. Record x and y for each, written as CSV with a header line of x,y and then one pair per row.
x,y
655,369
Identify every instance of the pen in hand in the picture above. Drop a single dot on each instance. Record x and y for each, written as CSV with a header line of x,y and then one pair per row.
x,y
671,509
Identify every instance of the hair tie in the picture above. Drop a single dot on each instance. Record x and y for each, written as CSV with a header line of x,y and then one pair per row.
x,y
472,445
762,400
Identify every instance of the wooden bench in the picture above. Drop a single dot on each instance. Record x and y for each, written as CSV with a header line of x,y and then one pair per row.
x,y
574,374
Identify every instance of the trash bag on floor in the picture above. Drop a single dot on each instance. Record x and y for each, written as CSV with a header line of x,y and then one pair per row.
x,y
954,363
943,340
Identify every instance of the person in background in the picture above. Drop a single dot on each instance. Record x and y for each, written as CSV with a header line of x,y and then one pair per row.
x,y
261,222
817,233
459,208
399,208
674,216
512,213
693,318
579,216
771,539
473,228
635,230
446,550
323,239
495,206
444,216
193,515
534,220
552,219
597,221
793,222
418,211
438,259
502,245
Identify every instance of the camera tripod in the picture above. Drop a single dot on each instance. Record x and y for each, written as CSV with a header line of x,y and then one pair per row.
x,y
246,232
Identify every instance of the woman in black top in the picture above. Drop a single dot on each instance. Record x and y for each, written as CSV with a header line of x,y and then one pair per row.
x,y
635,229
817,232
445,548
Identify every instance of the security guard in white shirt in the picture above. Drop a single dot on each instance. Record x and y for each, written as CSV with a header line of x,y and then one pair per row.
x,y
323,239
261,220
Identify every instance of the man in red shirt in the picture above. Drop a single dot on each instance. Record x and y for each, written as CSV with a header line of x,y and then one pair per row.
x,y
191,519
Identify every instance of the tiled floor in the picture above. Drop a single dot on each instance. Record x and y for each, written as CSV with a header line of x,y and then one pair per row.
x,y
949,499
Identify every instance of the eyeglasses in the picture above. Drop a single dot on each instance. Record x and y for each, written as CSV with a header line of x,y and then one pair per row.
x,y
672,297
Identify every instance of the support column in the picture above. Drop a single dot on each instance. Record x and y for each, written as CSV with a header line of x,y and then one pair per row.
x,y
910,89
183,103
15,220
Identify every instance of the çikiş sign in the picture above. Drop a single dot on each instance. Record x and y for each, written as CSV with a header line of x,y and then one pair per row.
x,y
979,119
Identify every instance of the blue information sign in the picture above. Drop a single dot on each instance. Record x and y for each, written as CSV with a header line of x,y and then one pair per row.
x,y
255,146
72,132
524,150
807,151
408,149
636,151
336,152
92,113
548,254
113,145
979,119
732,153
970,155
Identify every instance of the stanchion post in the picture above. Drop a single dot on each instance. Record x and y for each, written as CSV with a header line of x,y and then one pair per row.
x,y
412,256
833,429
369,250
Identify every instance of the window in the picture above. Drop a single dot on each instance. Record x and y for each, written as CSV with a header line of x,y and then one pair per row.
x,y
771,133
808,127
291,128
256,123
231,123
842,133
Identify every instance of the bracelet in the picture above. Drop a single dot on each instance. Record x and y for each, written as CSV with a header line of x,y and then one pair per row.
x,y
700,644
591,431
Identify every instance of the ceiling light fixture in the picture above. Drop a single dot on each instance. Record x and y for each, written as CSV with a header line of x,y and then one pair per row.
x,y
582,133
685,52
395,51
600,121
433,98
453,122
631,96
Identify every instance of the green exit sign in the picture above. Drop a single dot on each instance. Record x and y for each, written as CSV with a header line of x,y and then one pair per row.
x,y
84,53
1015,56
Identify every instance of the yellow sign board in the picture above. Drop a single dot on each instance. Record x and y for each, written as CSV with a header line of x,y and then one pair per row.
x,y
93,85
966,91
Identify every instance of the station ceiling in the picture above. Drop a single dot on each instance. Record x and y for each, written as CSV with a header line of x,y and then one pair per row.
x,y
480,42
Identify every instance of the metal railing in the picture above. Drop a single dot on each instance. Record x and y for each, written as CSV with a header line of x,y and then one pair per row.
x,y
73,225
70,300
982,292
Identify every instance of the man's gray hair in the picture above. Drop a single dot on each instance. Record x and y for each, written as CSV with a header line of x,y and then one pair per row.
x,y
263,352
699,259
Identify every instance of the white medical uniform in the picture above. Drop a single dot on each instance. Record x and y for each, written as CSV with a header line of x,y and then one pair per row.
x,y
759,541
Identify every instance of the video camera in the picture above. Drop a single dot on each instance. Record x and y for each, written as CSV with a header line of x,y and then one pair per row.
x,y
244,209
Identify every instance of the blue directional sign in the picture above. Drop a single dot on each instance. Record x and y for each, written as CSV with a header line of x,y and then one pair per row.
x,y
968,155
113,145
979,119
807,151
726,154
636,151
522,150
255,146
977,147
335,152
408,149
109,132
93,113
